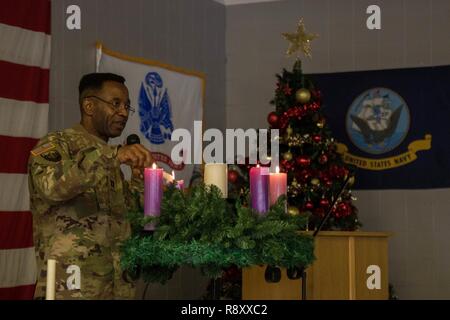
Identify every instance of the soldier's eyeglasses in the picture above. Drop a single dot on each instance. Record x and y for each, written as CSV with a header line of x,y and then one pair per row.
x,y
116,104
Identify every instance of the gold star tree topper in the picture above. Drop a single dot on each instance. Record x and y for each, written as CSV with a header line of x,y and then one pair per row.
x,y
300,40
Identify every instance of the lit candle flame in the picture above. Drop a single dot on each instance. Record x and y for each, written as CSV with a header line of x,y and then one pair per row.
x,y
277,169
257,165
173,174
154,165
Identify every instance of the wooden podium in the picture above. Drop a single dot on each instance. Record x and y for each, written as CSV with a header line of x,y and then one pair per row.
x,y
348,266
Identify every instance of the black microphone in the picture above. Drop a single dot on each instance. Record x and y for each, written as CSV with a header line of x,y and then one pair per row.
x,y
133,139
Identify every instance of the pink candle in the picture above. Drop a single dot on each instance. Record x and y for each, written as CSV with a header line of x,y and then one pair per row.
x,y
153,191
277,185
179,184
259,189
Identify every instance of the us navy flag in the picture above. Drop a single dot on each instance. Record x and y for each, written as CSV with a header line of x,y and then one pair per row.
x,y
392,125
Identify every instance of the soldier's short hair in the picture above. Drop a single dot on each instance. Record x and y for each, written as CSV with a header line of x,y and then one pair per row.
x,y
94,81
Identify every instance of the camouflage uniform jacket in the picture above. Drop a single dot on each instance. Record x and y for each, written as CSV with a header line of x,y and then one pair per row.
x,y
78,199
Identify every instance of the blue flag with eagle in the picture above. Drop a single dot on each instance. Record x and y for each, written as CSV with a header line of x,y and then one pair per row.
x,y
154,109
392,125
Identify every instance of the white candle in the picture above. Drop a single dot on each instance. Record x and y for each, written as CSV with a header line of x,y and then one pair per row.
x,y
217,174
51,277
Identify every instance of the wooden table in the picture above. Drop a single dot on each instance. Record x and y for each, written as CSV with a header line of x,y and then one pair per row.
x,y
348,266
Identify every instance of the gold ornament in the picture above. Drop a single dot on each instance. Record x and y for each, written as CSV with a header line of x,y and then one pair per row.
x,y
299,41
351,181
287,156
293,211
294,183
315,182
303,95
321,124
289,131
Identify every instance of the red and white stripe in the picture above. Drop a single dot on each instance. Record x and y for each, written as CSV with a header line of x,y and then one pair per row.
x,y
24,95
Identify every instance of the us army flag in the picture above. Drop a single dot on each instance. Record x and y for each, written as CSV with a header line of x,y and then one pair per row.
x,y
165,98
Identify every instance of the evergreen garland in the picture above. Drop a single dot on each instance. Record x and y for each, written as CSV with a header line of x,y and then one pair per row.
x,y
201,229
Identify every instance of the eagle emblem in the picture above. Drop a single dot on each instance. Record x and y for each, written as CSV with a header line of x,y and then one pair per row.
x,y
378,121
155,109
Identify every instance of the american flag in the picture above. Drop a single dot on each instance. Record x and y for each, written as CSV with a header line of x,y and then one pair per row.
x,y
24,96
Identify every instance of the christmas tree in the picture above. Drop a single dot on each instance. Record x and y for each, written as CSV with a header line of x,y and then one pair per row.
x,y
316,172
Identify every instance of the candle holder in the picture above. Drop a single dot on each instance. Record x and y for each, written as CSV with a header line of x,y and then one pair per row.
x,y
295,273
272,274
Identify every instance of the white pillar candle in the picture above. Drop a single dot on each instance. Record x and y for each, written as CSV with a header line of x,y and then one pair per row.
x,y
217,174
51,279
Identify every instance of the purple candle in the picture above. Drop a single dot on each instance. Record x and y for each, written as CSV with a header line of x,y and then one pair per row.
x,y
153,191
259,189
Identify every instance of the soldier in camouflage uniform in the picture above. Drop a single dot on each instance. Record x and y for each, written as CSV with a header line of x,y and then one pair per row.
x,y
79,196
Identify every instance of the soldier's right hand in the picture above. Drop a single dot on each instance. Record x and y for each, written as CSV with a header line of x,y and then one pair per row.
x,y
135,155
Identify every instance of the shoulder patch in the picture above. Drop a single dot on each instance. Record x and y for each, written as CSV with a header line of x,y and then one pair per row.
x,y
44,148
52,155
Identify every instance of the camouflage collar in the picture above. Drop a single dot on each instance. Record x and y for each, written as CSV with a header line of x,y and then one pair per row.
x,y
79,128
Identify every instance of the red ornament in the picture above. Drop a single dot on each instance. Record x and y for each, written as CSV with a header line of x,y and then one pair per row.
x,y
309,205
316,94
340,172
287,90
273,119
317,138
324,203
323,158
315,106
284,120
303,175
233,176
291,112
334,171
343,209
286,166
303,161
